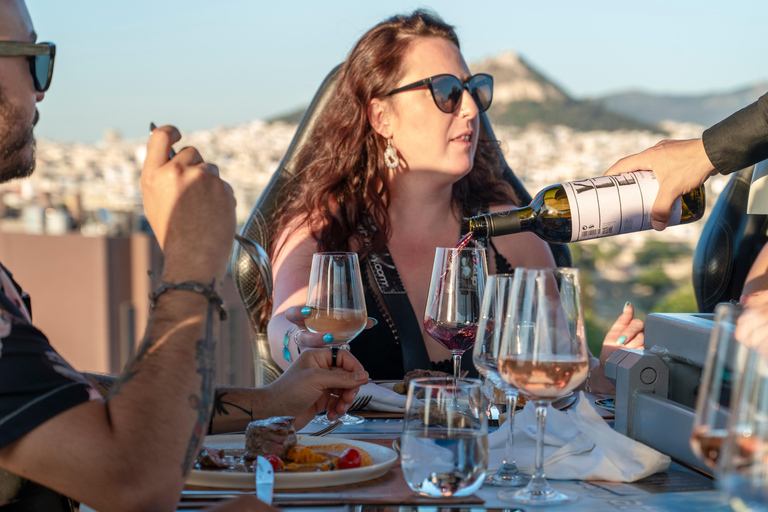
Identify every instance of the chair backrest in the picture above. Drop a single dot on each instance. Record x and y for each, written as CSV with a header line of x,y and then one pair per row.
x,y
247,276
728,246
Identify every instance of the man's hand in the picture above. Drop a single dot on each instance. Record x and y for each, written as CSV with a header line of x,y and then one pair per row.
x,y
191,210
679,165
310,385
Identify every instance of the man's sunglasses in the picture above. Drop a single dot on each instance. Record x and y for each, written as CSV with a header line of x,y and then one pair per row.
x,y
447,90
40,55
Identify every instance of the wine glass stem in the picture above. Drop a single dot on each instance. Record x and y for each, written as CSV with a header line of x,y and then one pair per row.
x,y
509,458
456,365
539,482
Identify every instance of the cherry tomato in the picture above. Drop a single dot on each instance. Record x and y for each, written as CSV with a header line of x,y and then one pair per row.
x,y
277,463
351,458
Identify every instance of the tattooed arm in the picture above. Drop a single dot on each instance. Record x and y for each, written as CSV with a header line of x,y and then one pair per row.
x,y
132,450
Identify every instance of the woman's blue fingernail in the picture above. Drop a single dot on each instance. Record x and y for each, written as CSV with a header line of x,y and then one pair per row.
x,y
621,340
306,311
375,322
328,338
625,306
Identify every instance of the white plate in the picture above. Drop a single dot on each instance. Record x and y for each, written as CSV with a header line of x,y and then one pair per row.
x,y
382,459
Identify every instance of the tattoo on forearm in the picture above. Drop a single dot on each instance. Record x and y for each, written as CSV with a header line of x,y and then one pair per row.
x,y
130,370
220,405
201,404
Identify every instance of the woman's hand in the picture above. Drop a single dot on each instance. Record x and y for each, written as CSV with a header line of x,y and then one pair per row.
x,y
627,332
305,338
311,385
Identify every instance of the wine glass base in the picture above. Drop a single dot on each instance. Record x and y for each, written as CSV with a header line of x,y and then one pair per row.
x,y
545,497
507,476
347,419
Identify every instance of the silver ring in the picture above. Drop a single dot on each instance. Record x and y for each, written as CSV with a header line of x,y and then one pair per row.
x,y
296,337
334,355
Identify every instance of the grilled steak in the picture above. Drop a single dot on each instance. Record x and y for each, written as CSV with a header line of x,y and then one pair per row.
x,y
273,436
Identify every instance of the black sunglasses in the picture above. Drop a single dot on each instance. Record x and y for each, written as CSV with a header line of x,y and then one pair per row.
x,y
40,55
447,90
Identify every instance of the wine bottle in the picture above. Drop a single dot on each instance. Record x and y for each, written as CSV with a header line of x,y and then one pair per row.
x,y
591,208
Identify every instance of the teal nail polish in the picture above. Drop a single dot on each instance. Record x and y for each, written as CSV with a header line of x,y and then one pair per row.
x,y
625,306
375,322
306,311
621,340
328,338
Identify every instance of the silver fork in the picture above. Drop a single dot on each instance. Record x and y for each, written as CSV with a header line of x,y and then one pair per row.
x,y
327,430
360,402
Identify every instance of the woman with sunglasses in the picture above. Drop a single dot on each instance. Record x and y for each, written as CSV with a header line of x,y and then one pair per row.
x,y
394,167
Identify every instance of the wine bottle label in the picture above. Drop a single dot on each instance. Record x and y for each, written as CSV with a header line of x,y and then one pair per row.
x,y
613,205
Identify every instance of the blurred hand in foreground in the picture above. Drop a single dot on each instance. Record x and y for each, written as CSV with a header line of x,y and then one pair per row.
x,y
679,165
244,503
191,210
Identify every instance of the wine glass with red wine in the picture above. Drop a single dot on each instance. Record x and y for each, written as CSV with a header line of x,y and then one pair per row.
x,y
548,361
455,295
336,297
722,367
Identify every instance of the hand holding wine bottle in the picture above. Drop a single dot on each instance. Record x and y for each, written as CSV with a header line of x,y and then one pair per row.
x,y
680,166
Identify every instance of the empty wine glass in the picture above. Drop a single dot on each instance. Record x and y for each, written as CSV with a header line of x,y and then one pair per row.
x,y
743,465
494,314
335,295
722,367
544,355
453,304
445,449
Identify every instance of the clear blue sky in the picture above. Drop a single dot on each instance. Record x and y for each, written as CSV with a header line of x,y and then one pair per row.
x,y
202,63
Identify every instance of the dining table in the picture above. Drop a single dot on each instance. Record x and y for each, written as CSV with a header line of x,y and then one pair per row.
x,y
678,488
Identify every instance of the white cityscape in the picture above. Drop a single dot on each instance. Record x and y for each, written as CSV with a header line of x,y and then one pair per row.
x,y
104,177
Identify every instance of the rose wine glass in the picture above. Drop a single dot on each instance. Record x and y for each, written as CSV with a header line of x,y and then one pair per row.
x,y
453,304
494,316
544,355
742,470
722,367
335,295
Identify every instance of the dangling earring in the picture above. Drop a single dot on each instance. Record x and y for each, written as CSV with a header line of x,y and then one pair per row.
x,y
390,156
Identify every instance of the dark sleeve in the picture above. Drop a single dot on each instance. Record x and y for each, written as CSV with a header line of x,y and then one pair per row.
x,y
740,140
36,384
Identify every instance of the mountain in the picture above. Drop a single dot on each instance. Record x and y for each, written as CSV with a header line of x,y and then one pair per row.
x,y
523,96
703,109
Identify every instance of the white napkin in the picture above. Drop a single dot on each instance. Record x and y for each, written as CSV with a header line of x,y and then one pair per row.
x,y
578,445
382,399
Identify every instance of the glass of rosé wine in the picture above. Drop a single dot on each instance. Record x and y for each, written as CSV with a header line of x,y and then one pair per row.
x,y
723,363
335,295
544,355
455,295
742,470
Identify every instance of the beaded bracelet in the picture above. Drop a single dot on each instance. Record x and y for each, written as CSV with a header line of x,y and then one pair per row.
x,y
190,286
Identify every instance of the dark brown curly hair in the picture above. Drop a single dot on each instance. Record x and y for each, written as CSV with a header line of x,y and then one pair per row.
x,y
341,181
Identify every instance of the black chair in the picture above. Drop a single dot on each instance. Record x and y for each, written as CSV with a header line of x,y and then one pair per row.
x,y
250,271
728,246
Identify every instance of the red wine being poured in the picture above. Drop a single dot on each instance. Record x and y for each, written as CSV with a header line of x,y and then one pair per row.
x,y
455,337
464,241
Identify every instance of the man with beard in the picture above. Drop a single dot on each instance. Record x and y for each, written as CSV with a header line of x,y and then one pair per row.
x,y
60,440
